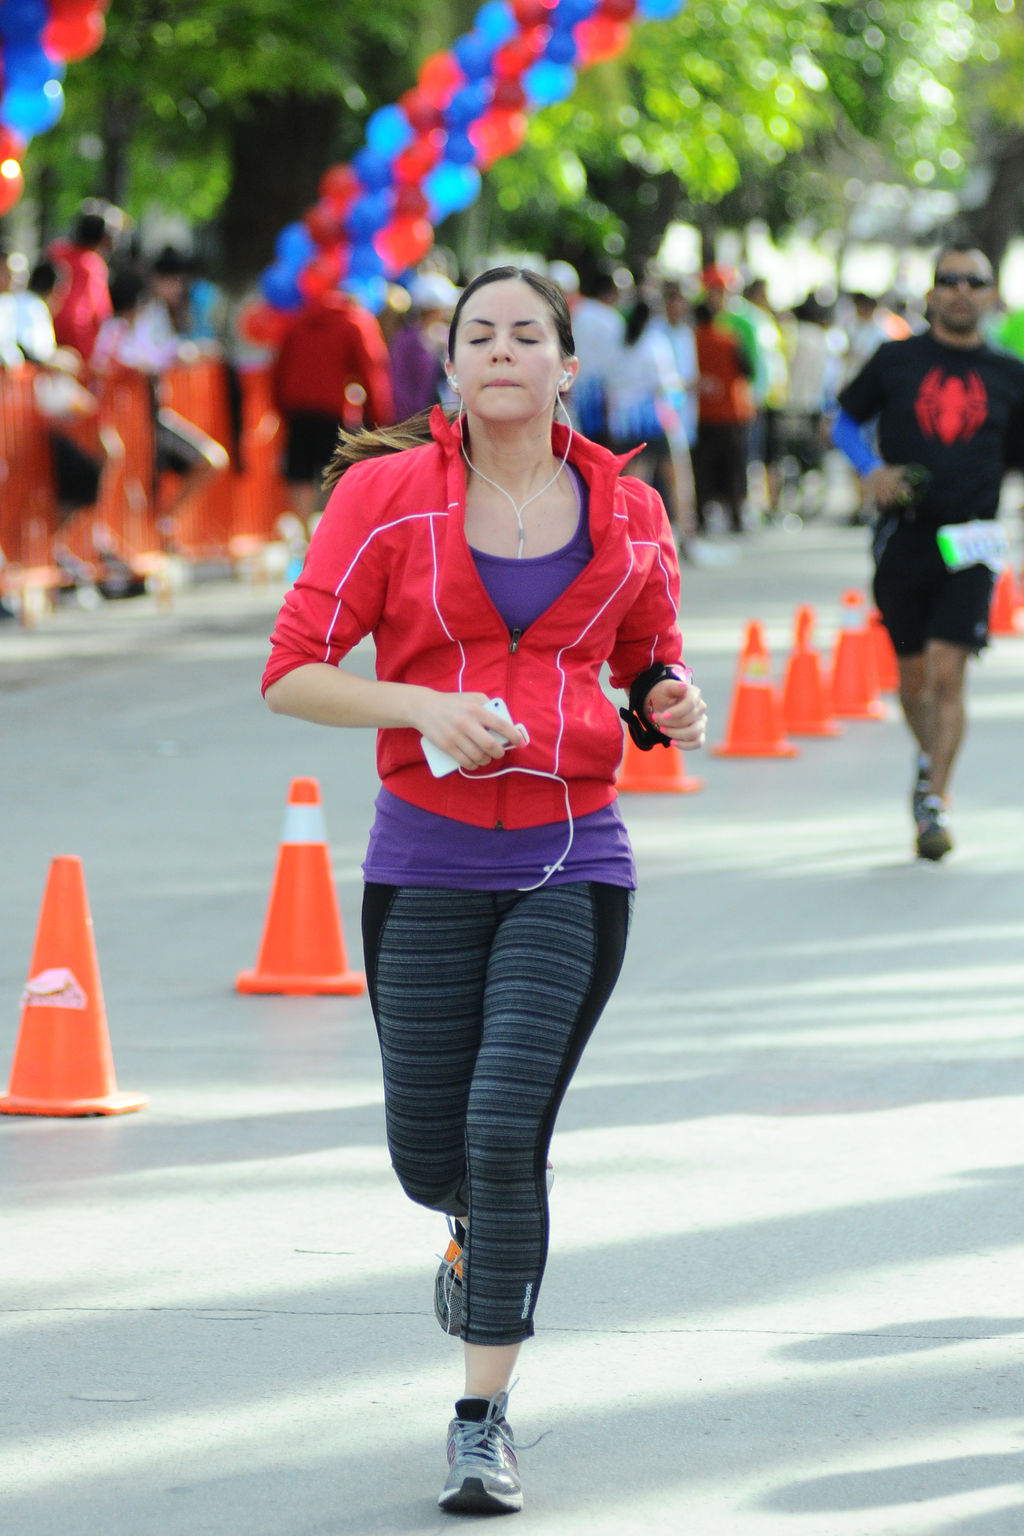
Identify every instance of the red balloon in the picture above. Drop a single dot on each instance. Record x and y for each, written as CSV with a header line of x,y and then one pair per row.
x,y
73,35
422,113
403,243
617,10
496,134
339,185
530,13
12,145
410,167
410,203
515,56
600,38
322,273
509,96
440,77
12,184
324,223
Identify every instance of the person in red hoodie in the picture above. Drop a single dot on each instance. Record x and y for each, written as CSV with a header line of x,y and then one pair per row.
x,y
499,557
83,295
332,369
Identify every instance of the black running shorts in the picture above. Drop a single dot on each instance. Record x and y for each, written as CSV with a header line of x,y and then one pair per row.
x,y
919,599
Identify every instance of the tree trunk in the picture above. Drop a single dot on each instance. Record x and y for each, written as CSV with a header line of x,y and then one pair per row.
x,y
279,151
999,217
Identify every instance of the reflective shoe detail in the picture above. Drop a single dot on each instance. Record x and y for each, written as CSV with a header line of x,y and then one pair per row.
x,y
922,785
448,1286
483,1475
934,839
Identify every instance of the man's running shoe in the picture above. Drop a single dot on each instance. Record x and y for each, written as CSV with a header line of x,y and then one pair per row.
x,y
448,1280
934,839
922,785
483,1475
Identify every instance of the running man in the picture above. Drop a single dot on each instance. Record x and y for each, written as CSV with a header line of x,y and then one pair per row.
x,y
950,414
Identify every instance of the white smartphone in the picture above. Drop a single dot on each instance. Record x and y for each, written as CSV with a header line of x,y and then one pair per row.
x,y
440,763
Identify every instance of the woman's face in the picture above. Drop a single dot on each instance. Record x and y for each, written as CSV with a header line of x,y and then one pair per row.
x,y
507,356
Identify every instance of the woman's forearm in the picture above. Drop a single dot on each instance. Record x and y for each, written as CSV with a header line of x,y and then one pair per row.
x,y
327,695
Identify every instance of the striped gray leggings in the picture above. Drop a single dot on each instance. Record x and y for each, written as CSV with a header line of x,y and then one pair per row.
x,y
483,1003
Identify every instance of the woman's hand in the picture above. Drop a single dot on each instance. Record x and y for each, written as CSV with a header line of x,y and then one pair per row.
x,y
679,712
462,725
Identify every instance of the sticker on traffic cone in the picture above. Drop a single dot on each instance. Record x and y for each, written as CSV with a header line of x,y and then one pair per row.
x,y
660,771
1005,613
854,671
62,1062
755,719
806,706
302,951
885,654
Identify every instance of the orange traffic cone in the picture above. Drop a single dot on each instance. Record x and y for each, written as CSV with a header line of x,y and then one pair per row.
x,y
303,948
885,654
854,670
62,1062
1005,613
806,707
660,771
755,720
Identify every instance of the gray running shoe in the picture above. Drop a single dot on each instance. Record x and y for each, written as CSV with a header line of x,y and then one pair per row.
x,y
922,785
448,1285
483,1475
934,839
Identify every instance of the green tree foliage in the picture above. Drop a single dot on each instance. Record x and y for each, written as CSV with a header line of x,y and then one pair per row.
x,y
230,111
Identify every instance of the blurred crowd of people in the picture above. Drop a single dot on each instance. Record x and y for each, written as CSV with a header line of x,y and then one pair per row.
x,y
730,398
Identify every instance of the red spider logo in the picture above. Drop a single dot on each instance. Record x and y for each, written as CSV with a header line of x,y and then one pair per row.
x,y
950,407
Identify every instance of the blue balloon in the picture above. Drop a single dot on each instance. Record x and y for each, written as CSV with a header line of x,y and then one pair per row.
x,y
473,54
279,288
33,109
373,169
370,292
367,215
460,149
294,247
546,82
449,188
571,12
561,48
23,20
28,65
364,261
468,104
496,23
659,10
388,132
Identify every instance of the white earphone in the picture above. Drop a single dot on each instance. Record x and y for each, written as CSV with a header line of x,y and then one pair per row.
x,y
453,381
565,380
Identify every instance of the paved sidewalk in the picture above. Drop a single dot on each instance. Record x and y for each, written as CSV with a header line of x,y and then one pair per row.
x,y
784,1293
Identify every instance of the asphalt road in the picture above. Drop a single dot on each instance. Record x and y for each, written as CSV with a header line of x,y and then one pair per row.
x,y
784,1294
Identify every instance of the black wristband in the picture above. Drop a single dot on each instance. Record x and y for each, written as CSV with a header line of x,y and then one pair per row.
x,y
644,734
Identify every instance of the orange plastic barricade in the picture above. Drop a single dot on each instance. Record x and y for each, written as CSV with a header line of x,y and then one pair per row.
x,y
198,392
121,532
261,493
28,500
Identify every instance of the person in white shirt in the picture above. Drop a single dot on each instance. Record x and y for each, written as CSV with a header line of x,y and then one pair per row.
x,y
645,405
598,328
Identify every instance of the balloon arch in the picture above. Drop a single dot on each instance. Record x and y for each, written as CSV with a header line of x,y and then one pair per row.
x,y
421,159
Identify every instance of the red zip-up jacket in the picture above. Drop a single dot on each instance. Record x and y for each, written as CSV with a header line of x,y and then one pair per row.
x,y
390,558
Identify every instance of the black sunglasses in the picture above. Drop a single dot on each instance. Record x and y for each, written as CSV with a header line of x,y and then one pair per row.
x,y
954,279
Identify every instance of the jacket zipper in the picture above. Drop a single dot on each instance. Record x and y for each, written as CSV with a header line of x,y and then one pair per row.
x,y
513,646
